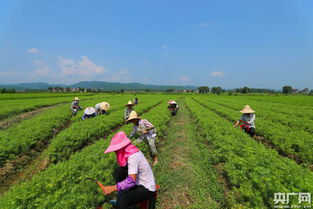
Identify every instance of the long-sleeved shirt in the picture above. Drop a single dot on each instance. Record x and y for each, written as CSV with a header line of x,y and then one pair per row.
x,y
143,125
127,112
97,106
85,116
249,119
75,105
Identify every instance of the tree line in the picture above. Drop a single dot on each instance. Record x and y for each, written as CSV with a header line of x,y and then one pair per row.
x,y
246,90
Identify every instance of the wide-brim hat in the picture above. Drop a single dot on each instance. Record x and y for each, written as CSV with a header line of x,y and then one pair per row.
x,y
89,110
76,98
105,106
133,115
247,109
118,141
129,103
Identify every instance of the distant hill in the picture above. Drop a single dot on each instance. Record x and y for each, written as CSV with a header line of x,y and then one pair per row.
x,y
30,86
108,86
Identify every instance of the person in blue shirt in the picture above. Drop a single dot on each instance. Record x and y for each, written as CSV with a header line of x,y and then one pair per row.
x,y
89,112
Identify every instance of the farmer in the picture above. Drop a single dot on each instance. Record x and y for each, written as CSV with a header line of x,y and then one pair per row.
x,y
89,112
102,108
247,120
172,107
135,101
134,178
75,106
128,109
147,131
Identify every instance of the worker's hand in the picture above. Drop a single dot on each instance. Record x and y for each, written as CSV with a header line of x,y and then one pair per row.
x,y
108,190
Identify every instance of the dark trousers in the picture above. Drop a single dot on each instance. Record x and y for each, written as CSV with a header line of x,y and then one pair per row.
x,y
250,131
133,196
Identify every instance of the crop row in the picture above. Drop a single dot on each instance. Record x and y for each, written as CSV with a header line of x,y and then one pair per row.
x,y
292,142
253,172
83,132
288,118
23,137
12,96
10,108
63,186
298,100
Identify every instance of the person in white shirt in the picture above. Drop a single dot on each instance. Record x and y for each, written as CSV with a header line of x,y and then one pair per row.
x,y
135,181
75,106
173,107
247,120
102,108
147,131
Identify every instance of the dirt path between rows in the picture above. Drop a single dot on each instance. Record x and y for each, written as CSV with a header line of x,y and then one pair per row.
x,y
179,163
180,176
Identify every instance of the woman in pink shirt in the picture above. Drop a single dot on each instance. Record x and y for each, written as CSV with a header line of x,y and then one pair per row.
x,y
139,184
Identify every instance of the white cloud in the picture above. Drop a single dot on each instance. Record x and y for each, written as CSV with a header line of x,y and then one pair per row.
x,y
204,24
164,46
33,51
83,67
217,74
42,69
184,78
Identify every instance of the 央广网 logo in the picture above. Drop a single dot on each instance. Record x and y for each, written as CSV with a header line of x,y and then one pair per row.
x,y
282,200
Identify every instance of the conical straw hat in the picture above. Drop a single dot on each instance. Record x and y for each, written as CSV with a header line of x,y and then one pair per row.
x,y
76,98
105,106
129,103
133,115
247,109
89,111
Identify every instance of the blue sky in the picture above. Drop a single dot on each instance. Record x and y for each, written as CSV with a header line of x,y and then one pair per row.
x,y
261,44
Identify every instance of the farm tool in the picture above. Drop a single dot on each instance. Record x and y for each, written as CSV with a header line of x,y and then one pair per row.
x,y
148,204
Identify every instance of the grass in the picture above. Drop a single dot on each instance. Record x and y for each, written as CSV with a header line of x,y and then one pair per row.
x,y
185,173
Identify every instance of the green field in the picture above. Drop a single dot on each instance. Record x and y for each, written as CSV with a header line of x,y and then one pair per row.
x,y
205,162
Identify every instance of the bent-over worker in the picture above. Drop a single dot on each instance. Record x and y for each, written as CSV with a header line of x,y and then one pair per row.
x,y
75,106
102,108
172,107
134,178
89,112
147,131
247,120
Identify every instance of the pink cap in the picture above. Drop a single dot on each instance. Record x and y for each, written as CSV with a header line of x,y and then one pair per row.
x,y
118,141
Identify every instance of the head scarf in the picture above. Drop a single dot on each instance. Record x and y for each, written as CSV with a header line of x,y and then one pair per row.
x,y
123,154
